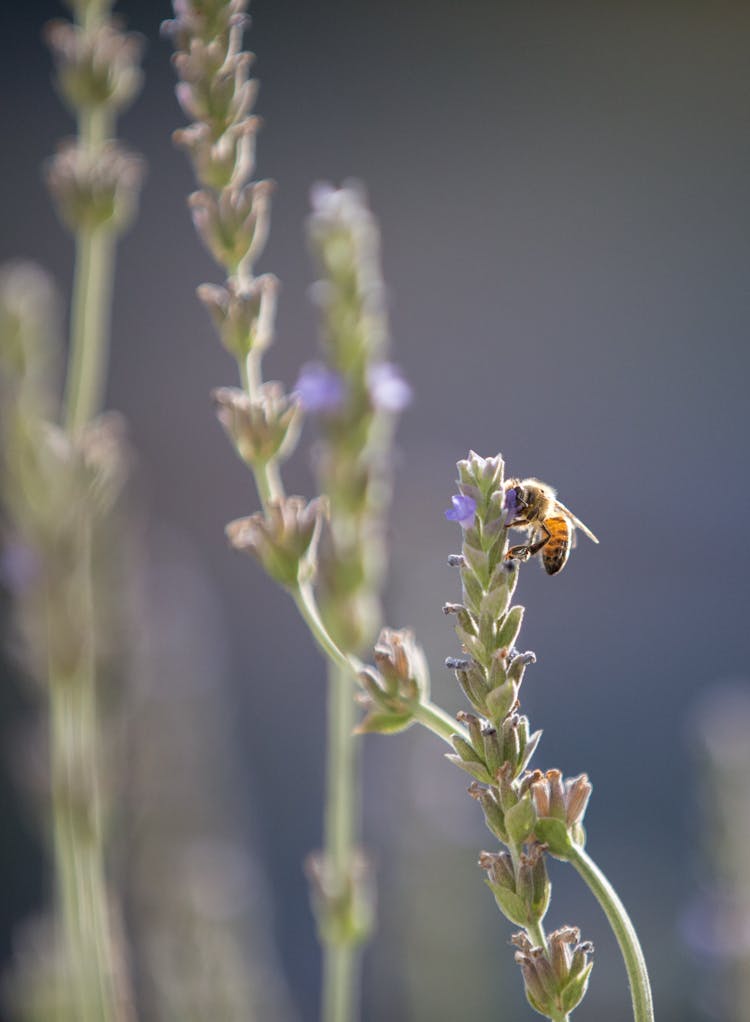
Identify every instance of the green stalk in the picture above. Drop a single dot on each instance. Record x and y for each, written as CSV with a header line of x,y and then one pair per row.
x,y
74,725
428,714
76,815
340,956
89,327
92,296
635,963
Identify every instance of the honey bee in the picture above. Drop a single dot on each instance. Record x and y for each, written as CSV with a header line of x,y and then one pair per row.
x,y
551,526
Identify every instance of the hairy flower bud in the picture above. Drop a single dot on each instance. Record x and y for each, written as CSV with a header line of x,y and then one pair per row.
x,y
95,189
244,316
204,21
95,68
220,162
284,539
218,96
400,686
556,979
560,806
234,225
260,428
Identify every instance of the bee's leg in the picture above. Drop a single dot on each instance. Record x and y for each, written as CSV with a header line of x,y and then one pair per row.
x,y
518,553
526,550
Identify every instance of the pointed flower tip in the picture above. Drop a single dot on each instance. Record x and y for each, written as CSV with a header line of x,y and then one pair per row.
x,y
319,389
463,510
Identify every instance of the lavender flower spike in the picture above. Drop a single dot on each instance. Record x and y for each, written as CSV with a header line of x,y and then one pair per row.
x,y
319,389
463,511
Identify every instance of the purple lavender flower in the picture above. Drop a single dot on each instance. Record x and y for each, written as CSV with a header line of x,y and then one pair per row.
x,y
388,389
511,504
463,510
319,389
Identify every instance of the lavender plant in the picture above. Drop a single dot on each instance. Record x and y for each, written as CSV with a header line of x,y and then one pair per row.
x,y
328,552
531,813
63,467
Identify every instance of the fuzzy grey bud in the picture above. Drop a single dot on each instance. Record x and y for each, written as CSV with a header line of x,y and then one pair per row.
x,y
400,686
95,68
261,428
233,225
284,539
244,316
95,189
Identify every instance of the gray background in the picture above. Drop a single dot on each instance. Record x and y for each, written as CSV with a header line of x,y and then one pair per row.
x,y
562,191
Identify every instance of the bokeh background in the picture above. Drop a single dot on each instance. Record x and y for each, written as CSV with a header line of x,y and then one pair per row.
x,y
562,191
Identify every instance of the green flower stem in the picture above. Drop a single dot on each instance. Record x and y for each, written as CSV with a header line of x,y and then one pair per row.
x,y
635,964
435,719
89,327
340,956
536,934
92,293
76,816
428,714
74,731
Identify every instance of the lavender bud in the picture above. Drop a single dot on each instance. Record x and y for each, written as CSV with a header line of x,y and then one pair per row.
x,y
244,317
234,226
223,162
401,685
284,539
94,189
95,68
261,428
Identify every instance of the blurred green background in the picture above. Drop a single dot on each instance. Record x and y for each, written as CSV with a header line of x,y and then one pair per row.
x,y
562,191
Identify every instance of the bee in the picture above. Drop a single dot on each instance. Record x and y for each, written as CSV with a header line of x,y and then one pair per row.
x,y
551,526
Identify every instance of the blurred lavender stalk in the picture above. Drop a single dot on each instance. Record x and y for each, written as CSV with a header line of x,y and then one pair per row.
x,y
198,900
61,482
356,395
717,923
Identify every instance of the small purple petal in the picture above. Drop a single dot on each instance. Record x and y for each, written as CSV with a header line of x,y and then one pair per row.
x,y
463,511
388,389
319,389
511,505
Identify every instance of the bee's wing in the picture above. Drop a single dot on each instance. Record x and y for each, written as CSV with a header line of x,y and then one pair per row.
x,y
577,522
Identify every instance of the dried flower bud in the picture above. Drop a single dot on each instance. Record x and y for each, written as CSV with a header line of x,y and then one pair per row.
x,y
217,95
501,880
234,225
98,67
263,427
244,316
560,807
494,816
284,539
204,21
226,161
401,684
555,981
95,189
533,882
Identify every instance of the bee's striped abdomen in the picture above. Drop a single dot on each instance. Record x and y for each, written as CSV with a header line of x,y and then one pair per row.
x,y
555,551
